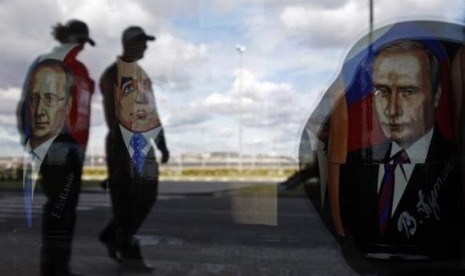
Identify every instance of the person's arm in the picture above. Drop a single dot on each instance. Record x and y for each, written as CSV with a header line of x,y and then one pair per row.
x,y
22,121
337,152
161,145
107,84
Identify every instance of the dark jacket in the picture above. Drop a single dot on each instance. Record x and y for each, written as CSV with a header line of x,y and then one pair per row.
x,y
427,219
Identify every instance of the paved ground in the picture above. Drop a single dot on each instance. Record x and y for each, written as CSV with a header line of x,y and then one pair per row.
x,y
194,229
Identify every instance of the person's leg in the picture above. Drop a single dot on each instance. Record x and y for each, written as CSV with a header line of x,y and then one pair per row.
x,y
142,197
59,218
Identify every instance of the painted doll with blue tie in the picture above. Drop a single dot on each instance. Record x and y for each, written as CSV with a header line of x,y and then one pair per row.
x,y
135,131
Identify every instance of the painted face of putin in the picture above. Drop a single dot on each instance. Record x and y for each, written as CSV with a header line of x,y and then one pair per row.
x,y
405,94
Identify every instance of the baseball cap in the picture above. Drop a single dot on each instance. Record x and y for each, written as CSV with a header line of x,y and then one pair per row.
x,y
133,32
79,30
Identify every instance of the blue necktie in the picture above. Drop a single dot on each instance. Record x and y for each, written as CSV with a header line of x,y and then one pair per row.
x,y
138,144
386,190
27,194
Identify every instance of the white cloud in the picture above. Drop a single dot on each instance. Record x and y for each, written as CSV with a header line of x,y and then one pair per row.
x,y
185,119
9,99
174,62
212,122
322,27
319,26
385,11
263,103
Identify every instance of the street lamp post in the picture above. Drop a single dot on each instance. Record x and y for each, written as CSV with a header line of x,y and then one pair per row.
x,y
240,49
371,17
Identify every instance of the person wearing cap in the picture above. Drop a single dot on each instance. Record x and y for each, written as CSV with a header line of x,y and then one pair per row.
x,y
135,130
53,119
73,36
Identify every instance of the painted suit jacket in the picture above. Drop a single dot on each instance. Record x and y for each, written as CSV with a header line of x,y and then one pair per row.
x,y
121,167
60,176
426,222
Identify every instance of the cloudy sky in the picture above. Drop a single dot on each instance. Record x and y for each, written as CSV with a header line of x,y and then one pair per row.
x,y
294,50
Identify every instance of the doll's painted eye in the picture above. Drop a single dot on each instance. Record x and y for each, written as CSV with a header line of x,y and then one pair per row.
x,y
127,86
381,91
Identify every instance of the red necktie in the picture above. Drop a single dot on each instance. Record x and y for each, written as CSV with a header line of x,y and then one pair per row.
x,y
386,190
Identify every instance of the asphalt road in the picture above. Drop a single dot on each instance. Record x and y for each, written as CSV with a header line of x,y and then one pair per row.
x,y
195,228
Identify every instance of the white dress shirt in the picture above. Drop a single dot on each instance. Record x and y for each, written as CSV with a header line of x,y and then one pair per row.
x,y
417,153
35,157
148,135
